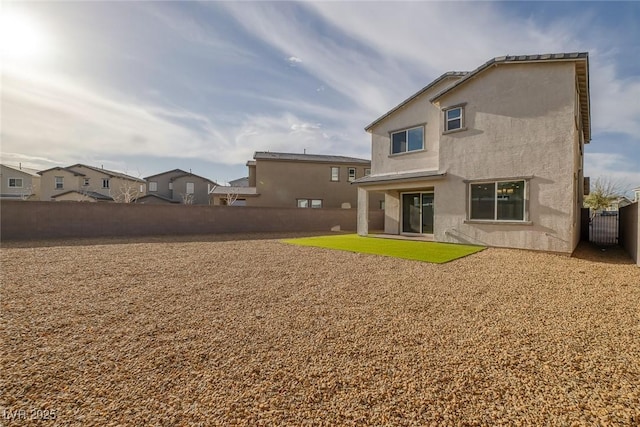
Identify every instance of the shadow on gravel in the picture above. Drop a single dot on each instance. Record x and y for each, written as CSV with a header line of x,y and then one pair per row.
x,y
223,237
605,254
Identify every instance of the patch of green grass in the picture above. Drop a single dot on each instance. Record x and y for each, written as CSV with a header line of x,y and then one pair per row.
x,y
434,252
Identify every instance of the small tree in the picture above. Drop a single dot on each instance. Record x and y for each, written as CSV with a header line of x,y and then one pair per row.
x,y
187,198
126,192
603,194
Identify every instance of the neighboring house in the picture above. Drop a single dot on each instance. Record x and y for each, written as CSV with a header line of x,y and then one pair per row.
x,y
178,186
493,156
618,203
87,183
636,194
19,183
301,180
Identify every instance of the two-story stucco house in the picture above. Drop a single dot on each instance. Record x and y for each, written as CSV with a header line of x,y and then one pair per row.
x,y
177,186
19,183
493,156
302,180
84,183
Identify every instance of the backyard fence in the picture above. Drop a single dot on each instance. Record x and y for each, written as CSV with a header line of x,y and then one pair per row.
x,y
45,220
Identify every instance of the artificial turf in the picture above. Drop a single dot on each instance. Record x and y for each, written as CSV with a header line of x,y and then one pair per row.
x,y
433,252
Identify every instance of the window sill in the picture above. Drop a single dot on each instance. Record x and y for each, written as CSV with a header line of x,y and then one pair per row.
x,y
405,153
447,132
492,222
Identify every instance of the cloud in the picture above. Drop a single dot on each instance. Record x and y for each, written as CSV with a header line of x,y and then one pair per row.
x,y
614,167
294,60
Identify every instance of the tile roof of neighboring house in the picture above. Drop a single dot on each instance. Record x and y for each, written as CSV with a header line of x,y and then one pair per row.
x,y
582,70
448,74
582,59
240,182
60,168
295,157
180,171
92,194
398,177
158,196
28,171
173,178
108,172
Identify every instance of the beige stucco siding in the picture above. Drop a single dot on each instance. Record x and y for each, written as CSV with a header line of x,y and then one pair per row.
x,y
48,182
30,189
520,123
281,183
418,112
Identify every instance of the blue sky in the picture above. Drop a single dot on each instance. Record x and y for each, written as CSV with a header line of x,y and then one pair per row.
x,y
143,87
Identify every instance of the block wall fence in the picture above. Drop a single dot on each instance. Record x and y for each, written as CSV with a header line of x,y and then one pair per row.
x,y
51,220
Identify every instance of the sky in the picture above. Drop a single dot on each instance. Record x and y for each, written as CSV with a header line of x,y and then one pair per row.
x,y
144,87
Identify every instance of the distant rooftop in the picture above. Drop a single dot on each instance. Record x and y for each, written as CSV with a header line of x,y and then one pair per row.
x,y
29,171
295,157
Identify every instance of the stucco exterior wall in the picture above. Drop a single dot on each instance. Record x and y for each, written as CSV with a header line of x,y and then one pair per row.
x,y
48,180
630,231
117,185
30,183
420,111
162,182
200,194
281,183
520,123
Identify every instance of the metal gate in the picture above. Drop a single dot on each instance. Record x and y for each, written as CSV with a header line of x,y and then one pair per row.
x,y
603,228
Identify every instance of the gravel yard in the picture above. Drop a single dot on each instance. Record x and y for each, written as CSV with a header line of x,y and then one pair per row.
x,y
180,332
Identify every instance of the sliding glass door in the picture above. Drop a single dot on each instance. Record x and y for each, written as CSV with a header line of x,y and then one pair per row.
x,y
417,213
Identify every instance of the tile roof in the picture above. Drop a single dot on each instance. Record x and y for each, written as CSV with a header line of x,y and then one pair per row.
x,y
322,158
180,171
107,172
582,58
92,194
448,74
582,70
28,171
158,196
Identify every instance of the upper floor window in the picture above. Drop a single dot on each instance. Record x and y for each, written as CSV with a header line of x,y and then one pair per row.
x,y
153,186
190,188
105,183
59,183
453,118
498,201
352,174
367,171
85,182
407,140
335,173
309,203
15,182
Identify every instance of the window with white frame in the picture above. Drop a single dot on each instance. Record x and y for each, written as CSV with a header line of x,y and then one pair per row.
x,y
302,203
498,201
352,174
59,182
335,173
316,203
153,186
367,171
85,182
453,118
407,140
105,182
190,187
382,205
15,182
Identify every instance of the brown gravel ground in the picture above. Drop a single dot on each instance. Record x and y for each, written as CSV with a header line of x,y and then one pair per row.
x,y
179,332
